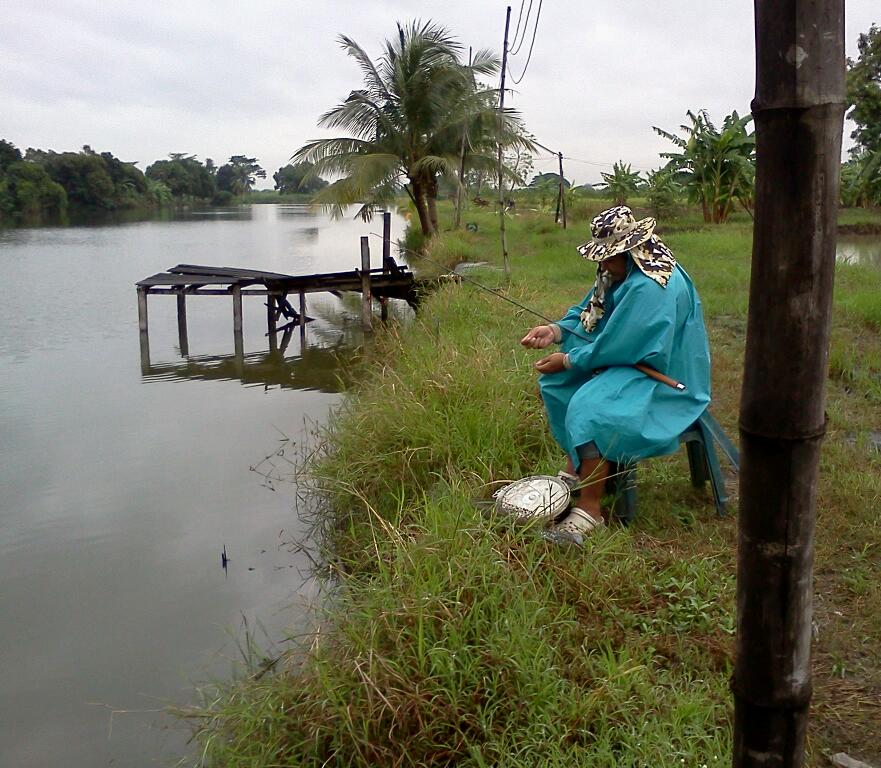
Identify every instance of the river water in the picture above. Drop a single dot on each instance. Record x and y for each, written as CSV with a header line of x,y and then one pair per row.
x,y
859,249
121,486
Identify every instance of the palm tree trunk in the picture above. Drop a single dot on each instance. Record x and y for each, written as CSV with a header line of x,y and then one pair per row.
x,y
419,200
431,195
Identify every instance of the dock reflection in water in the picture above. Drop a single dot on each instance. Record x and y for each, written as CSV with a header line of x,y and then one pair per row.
x,y
315,369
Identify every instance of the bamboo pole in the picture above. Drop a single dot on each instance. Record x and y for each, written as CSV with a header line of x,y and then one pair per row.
x,y
366,310
501,178
386,255
460,189
798,110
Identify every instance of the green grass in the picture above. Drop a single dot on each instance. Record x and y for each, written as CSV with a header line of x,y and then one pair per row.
x,y
450,640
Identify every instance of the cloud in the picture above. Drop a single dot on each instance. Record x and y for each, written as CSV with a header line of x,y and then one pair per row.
x,y
215,79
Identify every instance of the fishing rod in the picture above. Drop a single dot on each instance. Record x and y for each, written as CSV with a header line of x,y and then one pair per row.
x,y
647,370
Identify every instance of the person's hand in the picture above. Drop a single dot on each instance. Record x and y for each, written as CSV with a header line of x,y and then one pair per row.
x,y
553,363
539,337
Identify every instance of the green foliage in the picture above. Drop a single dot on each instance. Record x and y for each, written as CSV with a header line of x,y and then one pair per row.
x,y
864,92
27,194
94,181
238,175
621,183
662,192
159,192
861,180
717,167
185,177
9,154
408,120
298,178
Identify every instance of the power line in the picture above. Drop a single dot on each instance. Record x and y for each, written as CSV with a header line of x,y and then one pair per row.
x,y
515,80
519,16
518,45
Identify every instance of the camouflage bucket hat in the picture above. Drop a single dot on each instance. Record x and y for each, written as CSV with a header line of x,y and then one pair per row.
x,y
615,231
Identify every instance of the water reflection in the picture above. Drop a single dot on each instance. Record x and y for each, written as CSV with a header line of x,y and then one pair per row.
x,y
859,249
296,210
316,369
229,213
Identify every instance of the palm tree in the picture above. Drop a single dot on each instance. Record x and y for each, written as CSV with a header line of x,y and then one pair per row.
x,y
621,183
716,167
407,121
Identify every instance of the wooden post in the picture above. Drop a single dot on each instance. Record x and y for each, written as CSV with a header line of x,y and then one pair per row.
x,y
142,309
501,179
182,339
271,322
366,310
302,318
237,320
386,255
460,189
143,335
562,189
798,110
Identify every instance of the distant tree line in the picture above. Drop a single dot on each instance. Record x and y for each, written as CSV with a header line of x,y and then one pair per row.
x,y
43,186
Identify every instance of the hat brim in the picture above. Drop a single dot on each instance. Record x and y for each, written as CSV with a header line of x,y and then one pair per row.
x,y
594,251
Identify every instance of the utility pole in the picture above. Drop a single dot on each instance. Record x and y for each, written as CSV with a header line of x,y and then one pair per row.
x,y
798,111
501,181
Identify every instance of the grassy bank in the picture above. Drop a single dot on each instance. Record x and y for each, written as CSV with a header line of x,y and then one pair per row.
x,y
449,640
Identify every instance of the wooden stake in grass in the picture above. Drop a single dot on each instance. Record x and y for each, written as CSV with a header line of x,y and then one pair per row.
x,y
798,109
501,177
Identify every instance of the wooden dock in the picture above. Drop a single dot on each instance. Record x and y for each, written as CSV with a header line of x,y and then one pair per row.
x,y
390,281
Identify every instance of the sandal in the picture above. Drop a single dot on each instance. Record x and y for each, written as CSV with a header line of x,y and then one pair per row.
x,y
573,528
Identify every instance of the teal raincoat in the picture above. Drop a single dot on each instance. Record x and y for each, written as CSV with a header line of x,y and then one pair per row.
x,y
601,398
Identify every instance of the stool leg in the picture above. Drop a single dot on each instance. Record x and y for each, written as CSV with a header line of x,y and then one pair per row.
x,y
716,480
697,463
623,482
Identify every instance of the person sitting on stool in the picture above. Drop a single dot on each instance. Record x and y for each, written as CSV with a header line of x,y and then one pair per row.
x,y
642,310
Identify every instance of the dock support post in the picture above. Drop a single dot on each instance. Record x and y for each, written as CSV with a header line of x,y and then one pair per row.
x,y
386,255
302,318
366,310
271,322
143,337
182,339
237,320
142,309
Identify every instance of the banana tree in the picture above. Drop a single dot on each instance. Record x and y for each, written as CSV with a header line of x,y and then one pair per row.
x,y
716,167
621,183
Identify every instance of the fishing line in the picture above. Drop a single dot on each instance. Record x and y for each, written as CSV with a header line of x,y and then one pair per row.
x,y
647,370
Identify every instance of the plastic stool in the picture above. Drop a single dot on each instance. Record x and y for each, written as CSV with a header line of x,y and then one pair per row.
x,y
700,441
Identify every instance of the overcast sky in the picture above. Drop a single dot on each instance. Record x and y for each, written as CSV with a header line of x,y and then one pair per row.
x,y
214,79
